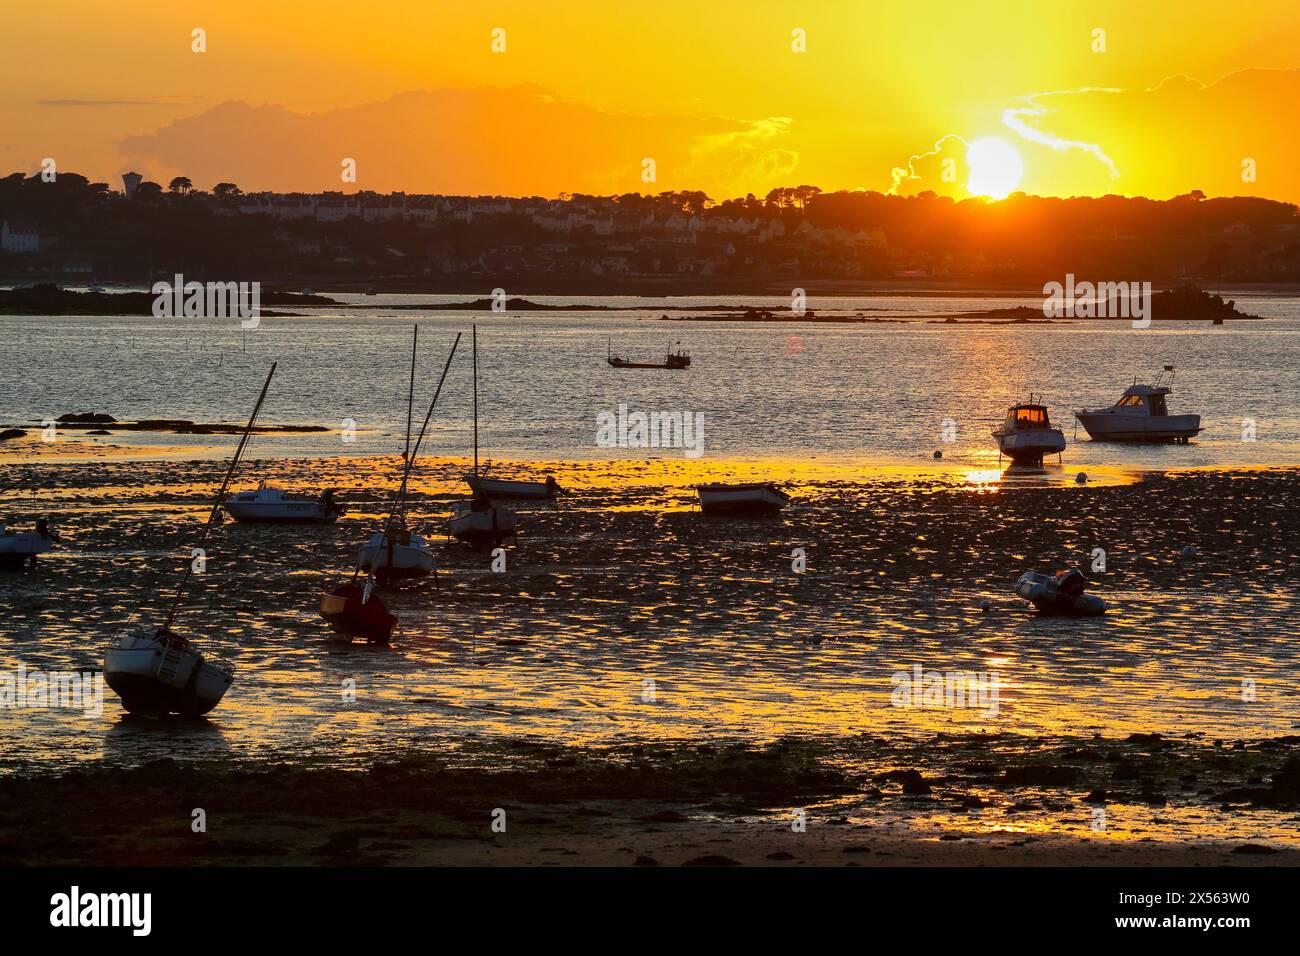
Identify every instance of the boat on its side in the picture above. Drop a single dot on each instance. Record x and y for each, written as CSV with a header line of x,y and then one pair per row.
x,y
1141,415
158,672
1027,434
742,498
269,505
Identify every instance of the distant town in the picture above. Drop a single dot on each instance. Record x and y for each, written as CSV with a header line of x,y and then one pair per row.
x,y
65,229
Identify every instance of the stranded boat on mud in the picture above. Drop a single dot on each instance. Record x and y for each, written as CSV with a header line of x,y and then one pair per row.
x,y
158,672
18,549
1027,434
741,498
269,505
1141,415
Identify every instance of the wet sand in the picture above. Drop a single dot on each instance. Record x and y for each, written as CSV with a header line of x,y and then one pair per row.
x,y
524,690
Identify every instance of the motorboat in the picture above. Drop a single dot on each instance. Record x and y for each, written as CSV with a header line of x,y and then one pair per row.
x,y
742,498
395,554
268,505
480,523
1141,415
1027,434
18,549
156,671
672,360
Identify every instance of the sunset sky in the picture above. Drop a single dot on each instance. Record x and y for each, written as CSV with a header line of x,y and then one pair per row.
x,y
1184,92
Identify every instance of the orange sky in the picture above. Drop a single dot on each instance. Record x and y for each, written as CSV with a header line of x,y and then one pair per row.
x,y
1184,92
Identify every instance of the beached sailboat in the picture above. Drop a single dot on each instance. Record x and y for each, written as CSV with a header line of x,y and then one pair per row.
x,y
742,498
502,489
479,522
18,549
673,360
1141,415
1027,434
268,505
352,608
156,671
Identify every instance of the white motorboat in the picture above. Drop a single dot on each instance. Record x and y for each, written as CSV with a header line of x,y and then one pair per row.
x,y
156,671
482,524
269,505
1027,434
743,498
18,549
392,556
1141,415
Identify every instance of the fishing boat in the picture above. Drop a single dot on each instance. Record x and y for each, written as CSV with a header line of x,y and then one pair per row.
x,y
678,359
395,552
18,549
741,498
1141,415
1027,434
268,505
502,489
155,670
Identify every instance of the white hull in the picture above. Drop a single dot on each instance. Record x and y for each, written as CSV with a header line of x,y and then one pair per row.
x,y
1116,426
412,559
493,524
24,544
500,488
270,505
156,675
741,499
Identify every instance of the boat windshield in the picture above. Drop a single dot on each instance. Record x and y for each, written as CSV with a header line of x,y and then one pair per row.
x,y
1131,401
1027,417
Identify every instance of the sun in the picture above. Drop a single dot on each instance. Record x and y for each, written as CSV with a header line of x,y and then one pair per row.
x,y
995,168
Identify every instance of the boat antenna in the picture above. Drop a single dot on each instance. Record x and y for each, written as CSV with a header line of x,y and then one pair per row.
x,y
221,497
474,332
410,395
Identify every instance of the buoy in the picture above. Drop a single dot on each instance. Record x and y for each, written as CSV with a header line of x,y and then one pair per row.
x,y
1189,551
1081,478
985,604
938,454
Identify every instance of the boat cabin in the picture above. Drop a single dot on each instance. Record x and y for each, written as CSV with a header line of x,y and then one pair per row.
x,y
1139,398
1027,416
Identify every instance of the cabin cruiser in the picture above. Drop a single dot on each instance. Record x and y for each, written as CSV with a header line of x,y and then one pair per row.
x,y
18,549
480,523
741,498
271,505
158,672
396,553
1027,434
1141,414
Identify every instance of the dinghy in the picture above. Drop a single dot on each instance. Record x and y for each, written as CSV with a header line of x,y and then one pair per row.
x,y
1027,434
269,505
1141,415
156,671
18,549
744,498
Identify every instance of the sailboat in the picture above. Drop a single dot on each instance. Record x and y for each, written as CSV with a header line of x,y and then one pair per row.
x,y
352,608
158,672
478,522
501,488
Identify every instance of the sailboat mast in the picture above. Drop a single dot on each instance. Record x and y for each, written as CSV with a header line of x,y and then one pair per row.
x,y
410,395
221,496
475,332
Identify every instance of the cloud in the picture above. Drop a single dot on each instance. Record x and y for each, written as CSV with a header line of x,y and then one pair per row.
x,y
521,140
141,101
